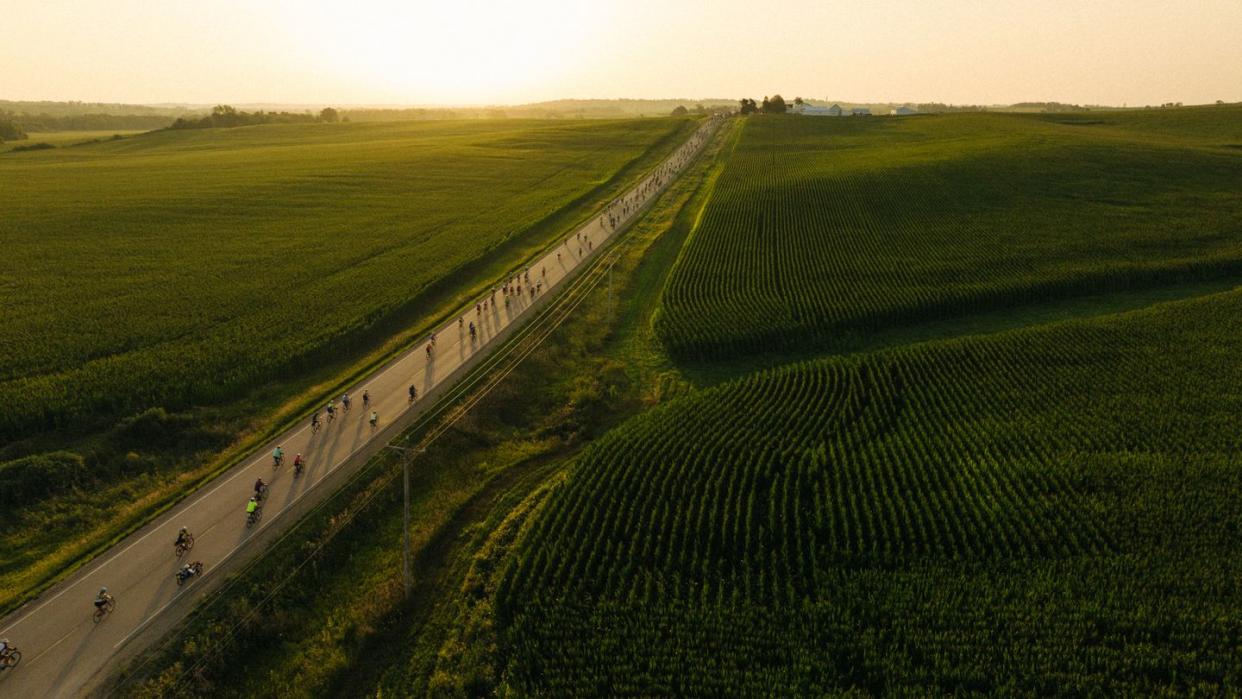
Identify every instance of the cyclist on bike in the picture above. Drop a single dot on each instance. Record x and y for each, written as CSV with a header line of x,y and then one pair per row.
x,y
366,398
278,455
331,409
413,393
103,598
472,331
298,462
374,419
183,537
259,487
187,571
252,506
5,646
315,420
345,401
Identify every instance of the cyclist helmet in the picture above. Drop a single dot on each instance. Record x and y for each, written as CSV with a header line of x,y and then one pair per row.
x,y
103,590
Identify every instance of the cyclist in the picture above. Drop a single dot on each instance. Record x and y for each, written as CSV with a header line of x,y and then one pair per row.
x,y
259,488
5,647
278,455
366,399
187,571
183,537
374,419
345,401
433,339
103,598
472,331
460,321
413,393
315,422
429,350
331,409
299,462
252,506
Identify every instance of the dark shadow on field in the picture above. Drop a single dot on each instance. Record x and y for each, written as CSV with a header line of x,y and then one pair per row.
x,y
710,372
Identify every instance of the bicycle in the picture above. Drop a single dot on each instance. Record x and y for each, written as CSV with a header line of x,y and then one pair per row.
x,y
11,658
195,569
184,545
254,517
103,610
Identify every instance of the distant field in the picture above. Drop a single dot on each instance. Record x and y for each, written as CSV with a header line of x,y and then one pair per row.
x,y
64,138
822,228
1049,511
182,267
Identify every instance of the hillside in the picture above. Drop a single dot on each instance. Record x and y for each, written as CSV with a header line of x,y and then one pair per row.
x,y
1046,511
821,230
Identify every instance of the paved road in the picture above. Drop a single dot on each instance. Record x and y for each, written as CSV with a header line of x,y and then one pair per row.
x,y
65,651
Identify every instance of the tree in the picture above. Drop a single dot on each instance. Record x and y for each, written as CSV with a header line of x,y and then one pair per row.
x,y
329,116
680,111
748,106
798,101
698,109
11,131
774,105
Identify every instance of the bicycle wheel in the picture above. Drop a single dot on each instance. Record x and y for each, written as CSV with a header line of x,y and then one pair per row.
x,y
13,658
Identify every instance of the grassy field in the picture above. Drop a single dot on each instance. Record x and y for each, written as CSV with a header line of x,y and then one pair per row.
x,y
181,267
824,230
65,138
1046,511
173,297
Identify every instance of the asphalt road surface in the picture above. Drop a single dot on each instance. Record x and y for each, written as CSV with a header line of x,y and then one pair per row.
x,y
66,653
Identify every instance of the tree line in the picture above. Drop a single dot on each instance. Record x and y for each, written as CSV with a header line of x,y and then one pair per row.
x,y
224,116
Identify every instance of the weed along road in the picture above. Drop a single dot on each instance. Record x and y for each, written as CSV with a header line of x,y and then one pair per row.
x,y
66,652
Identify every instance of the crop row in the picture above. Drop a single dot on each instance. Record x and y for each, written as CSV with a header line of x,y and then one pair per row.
x,y
1106,443
802,248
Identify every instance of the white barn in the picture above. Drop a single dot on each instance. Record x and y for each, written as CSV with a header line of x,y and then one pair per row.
x,y
903,111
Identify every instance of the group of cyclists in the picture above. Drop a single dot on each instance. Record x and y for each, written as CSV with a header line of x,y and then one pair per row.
x,y
613,216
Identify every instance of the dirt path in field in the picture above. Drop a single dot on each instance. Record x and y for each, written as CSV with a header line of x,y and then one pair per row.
x,y
66,654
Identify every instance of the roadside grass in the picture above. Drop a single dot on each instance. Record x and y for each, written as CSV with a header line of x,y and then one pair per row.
x,y
193,445
344,629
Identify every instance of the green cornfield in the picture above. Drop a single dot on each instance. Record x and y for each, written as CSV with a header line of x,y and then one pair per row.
x,y
1045,511
822,229
185,267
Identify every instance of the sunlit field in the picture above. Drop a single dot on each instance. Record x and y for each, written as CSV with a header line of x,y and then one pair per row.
x,y
181,267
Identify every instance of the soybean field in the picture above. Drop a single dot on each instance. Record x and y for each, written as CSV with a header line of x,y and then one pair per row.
x,y
1045,511
822,230
180,268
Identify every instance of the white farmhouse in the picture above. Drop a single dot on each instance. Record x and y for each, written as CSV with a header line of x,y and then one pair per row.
x,y
902,111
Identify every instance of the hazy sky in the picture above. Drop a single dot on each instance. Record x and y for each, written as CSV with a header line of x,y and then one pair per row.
x,y
471,52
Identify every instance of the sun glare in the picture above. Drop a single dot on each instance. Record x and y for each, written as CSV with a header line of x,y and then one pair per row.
x,y
464,52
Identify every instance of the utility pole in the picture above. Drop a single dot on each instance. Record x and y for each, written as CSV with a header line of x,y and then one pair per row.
x,y
405,515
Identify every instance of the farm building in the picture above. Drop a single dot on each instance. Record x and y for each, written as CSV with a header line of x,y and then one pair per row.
x,y
902,111
834,110
816,110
